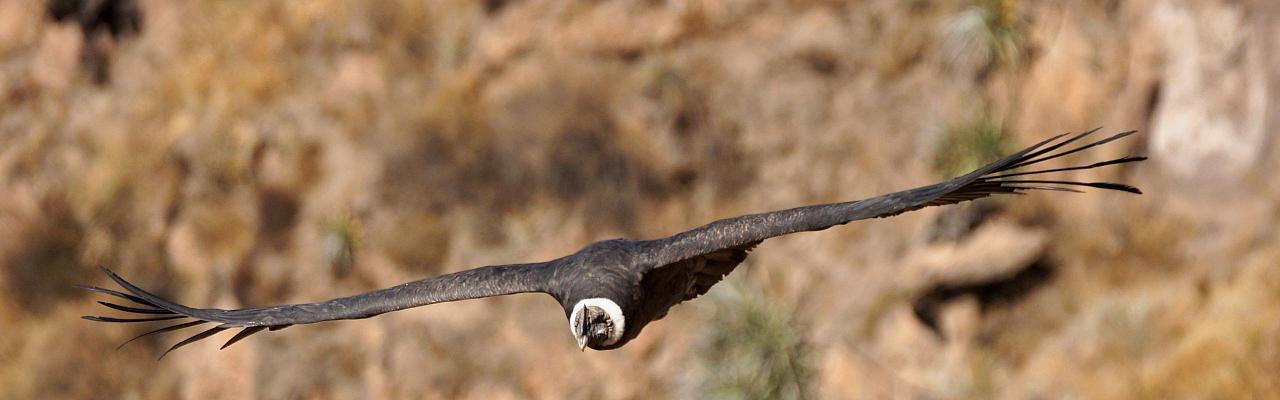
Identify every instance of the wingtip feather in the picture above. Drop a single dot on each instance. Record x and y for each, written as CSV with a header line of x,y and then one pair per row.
x,y
136,310
183,325
1116,186
113,319
194,338
244,333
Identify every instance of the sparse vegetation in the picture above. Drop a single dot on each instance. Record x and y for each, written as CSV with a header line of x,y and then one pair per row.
x,y
340,244
969,145
753,348
252,153
989,30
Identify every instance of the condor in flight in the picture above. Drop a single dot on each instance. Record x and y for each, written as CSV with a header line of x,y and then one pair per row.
x,y
611,289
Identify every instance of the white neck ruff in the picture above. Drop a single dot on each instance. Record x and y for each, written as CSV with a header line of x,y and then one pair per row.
x,y
610,308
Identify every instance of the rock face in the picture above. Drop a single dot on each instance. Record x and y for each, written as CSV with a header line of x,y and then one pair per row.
x,y
1211,121
262,152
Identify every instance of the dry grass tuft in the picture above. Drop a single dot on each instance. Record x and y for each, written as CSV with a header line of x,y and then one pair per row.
x,y
990,32
755,349
969,145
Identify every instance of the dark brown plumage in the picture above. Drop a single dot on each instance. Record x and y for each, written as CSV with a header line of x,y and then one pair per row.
x,y
624,284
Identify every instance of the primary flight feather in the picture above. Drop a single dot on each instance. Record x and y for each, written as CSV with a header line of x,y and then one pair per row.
x,y
611,289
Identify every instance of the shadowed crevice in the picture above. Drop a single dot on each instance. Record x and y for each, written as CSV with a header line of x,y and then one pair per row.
x,y
999,292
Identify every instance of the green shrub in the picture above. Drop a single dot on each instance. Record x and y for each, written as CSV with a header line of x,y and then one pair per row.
x,y
752,349
970,145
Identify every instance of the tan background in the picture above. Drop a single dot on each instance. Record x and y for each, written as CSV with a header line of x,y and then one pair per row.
x,y
253,153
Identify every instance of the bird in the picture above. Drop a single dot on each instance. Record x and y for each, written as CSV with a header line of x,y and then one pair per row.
x,y
611,289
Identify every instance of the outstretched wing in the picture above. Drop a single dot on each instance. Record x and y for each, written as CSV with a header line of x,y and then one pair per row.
x,y
991,179
470,284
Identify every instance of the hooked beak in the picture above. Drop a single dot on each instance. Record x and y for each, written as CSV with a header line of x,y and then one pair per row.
x,y
582,343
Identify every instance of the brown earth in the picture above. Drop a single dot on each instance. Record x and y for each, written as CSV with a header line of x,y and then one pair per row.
x,y
233,154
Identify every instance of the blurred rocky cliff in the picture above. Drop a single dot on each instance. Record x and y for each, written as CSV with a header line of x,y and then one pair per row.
x,y
233,154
